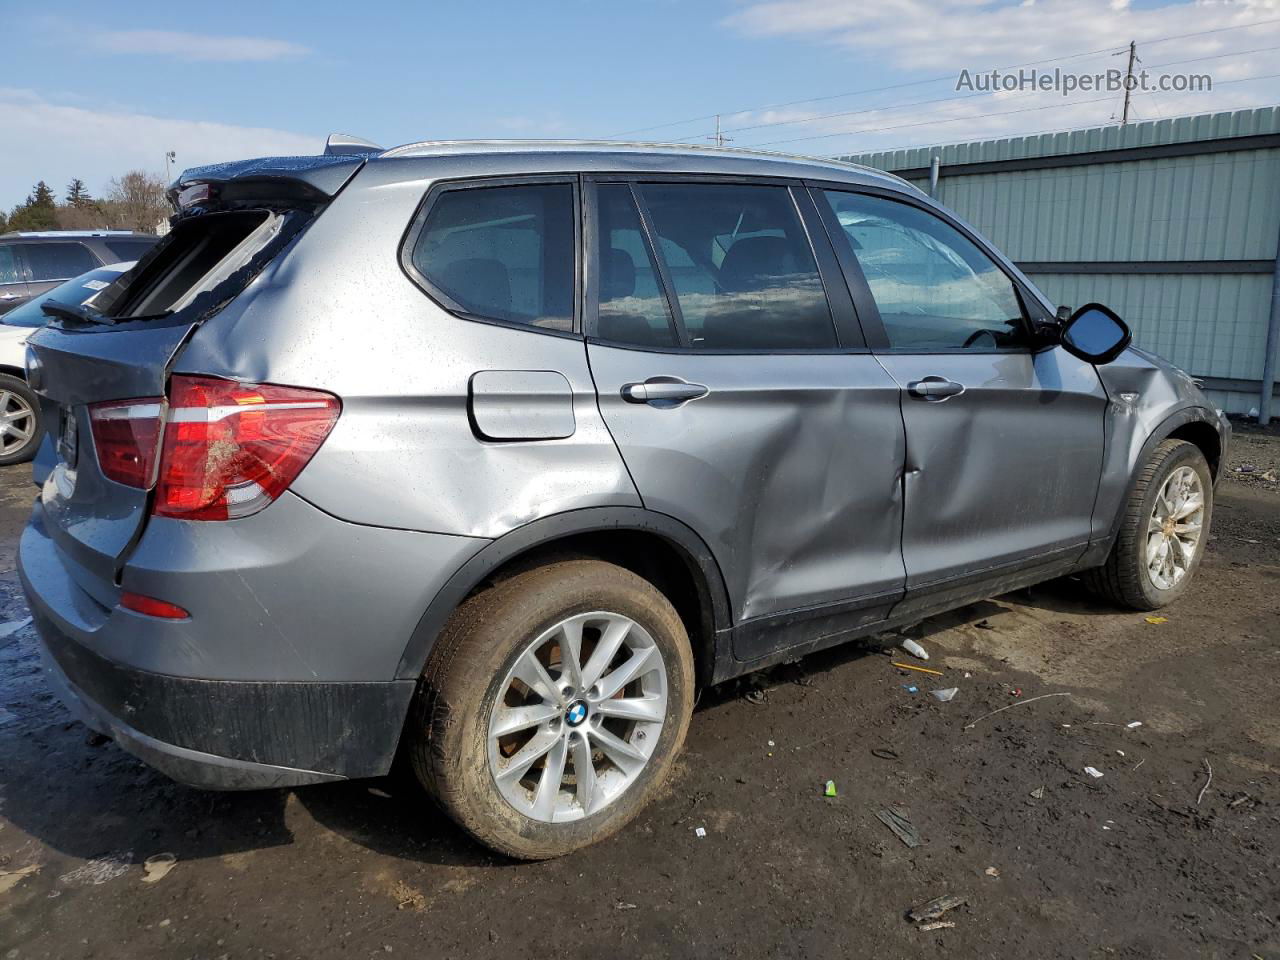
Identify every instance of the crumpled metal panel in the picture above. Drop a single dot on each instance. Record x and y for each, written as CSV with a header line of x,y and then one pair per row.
x,y
325,173
338,313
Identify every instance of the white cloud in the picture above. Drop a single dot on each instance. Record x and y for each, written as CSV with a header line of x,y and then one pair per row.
x,y
54,142
937,36
194,46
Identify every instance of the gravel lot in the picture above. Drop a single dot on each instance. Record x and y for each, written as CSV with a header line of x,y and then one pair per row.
x,y
1052,861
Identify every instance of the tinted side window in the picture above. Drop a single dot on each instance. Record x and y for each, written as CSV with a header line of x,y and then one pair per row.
x,y
10,270
935,289
503,253
741,265
58,261
633,307
124,250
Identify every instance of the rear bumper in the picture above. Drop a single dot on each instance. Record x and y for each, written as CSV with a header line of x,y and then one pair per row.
x,y
285,672
228,734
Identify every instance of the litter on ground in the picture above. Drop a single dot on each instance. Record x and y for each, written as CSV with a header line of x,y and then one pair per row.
x,y
1093,772
898,820
914,649
935,907
945,694
830,790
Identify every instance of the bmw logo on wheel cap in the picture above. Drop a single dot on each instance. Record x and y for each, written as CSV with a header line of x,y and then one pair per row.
x,y
576,713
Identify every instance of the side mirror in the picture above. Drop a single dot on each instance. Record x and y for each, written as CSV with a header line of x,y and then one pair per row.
x,y
1094,334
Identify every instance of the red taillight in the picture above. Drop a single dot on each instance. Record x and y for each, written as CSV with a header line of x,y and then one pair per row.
x,y
126,435
230,448
152,607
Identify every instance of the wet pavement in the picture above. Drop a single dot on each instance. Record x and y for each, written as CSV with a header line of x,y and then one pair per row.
x,y
1051,861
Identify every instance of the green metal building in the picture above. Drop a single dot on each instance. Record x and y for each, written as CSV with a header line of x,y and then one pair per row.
x,y
1175,224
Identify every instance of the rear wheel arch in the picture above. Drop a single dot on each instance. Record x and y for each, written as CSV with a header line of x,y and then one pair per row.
x,y
663,550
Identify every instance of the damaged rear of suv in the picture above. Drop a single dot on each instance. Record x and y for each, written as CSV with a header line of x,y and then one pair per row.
x,y
487,454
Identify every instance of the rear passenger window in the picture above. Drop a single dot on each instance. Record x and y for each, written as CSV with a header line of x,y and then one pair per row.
x,y
740,262
633,308
58,261
503,253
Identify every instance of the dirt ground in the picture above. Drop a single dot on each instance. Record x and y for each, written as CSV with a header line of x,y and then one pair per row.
x,y
1141,862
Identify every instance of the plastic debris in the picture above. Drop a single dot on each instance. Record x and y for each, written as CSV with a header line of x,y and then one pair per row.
x,y
991,872
937,925
1134,725
1093,772
830,790
772,744
907,666
910,688
1121,752
1038,793
699,832
1015,692
944,695
620,905
935,908
1156,620
11,878
156,868
914,649
99,870
898,820
12,627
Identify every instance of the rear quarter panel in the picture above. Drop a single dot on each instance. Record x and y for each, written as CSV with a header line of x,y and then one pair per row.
x,y
337,312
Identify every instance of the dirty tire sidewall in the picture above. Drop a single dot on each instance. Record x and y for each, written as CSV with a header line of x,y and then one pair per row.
x,y
1124,579
28,450
464,676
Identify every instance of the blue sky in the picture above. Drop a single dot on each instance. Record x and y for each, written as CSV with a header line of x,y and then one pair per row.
x,y
90,91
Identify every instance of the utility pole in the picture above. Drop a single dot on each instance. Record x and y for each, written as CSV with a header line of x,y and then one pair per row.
x,y
1128,81
719,138
169,157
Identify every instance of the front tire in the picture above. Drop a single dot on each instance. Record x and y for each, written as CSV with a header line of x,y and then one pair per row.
x,y
19,421
553,706
1163,533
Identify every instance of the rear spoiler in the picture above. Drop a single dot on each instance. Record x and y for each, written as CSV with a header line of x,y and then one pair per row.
x,y
307,179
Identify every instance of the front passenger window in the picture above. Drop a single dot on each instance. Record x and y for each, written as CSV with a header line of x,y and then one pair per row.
x,y
934,288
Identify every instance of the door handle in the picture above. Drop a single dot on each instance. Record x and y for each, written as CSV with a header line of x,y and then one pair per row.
x,y
934,389
663,392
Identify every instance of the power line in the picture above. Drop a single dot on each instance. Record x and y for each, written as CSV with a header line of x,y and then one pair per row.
x,y
979,116
921,103
950,76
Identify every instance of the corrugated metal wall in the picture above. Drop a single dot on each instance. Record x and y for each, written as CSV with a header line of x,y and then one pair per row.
x,y
1173,223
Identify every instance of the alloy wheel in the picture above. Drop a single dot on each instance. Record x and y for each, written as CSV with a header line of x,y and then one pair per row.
x,y
17,422
577,717
1173,533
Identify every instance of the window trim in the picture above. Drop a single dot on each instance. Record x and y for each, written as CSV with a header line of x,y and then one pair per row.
x,y
418,223
849,335
869,311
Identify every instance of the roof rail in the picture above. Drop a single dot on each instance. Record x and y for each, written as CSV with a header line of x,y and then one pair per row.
x,y
343,144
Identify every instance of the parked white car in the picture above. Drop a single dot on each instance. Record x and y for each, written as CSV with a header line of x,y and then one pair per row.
x,y
19,409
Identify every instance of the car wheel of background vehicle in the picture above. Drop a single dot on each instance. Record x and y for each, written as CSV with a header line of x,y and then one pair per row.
x,y
19,421
553,706
1163,533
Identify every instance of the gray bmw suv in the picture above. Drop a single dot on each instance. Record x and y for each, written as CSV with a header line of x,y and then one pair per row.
x,y
491,453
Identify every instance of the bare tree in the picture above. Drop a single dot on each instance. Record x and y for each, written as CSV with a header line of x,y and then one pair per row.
x,y
136,200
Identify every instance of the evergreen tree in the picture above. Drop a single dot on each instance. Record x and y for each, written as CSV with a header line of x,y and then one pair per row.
x,y
77,194
40,212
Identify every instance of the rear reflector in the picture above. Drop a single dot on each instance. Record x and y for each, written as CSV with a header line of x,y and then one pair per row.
x,y
230,448
152,607
126,434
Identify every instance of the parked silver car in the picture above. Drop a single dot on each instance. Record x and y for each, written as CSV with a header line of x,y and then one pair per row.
x,y
493,452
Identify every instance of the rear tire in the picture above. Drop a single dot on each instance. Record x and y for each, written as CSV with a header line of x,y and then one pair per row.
x,y
20,431
472,690
1152,562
